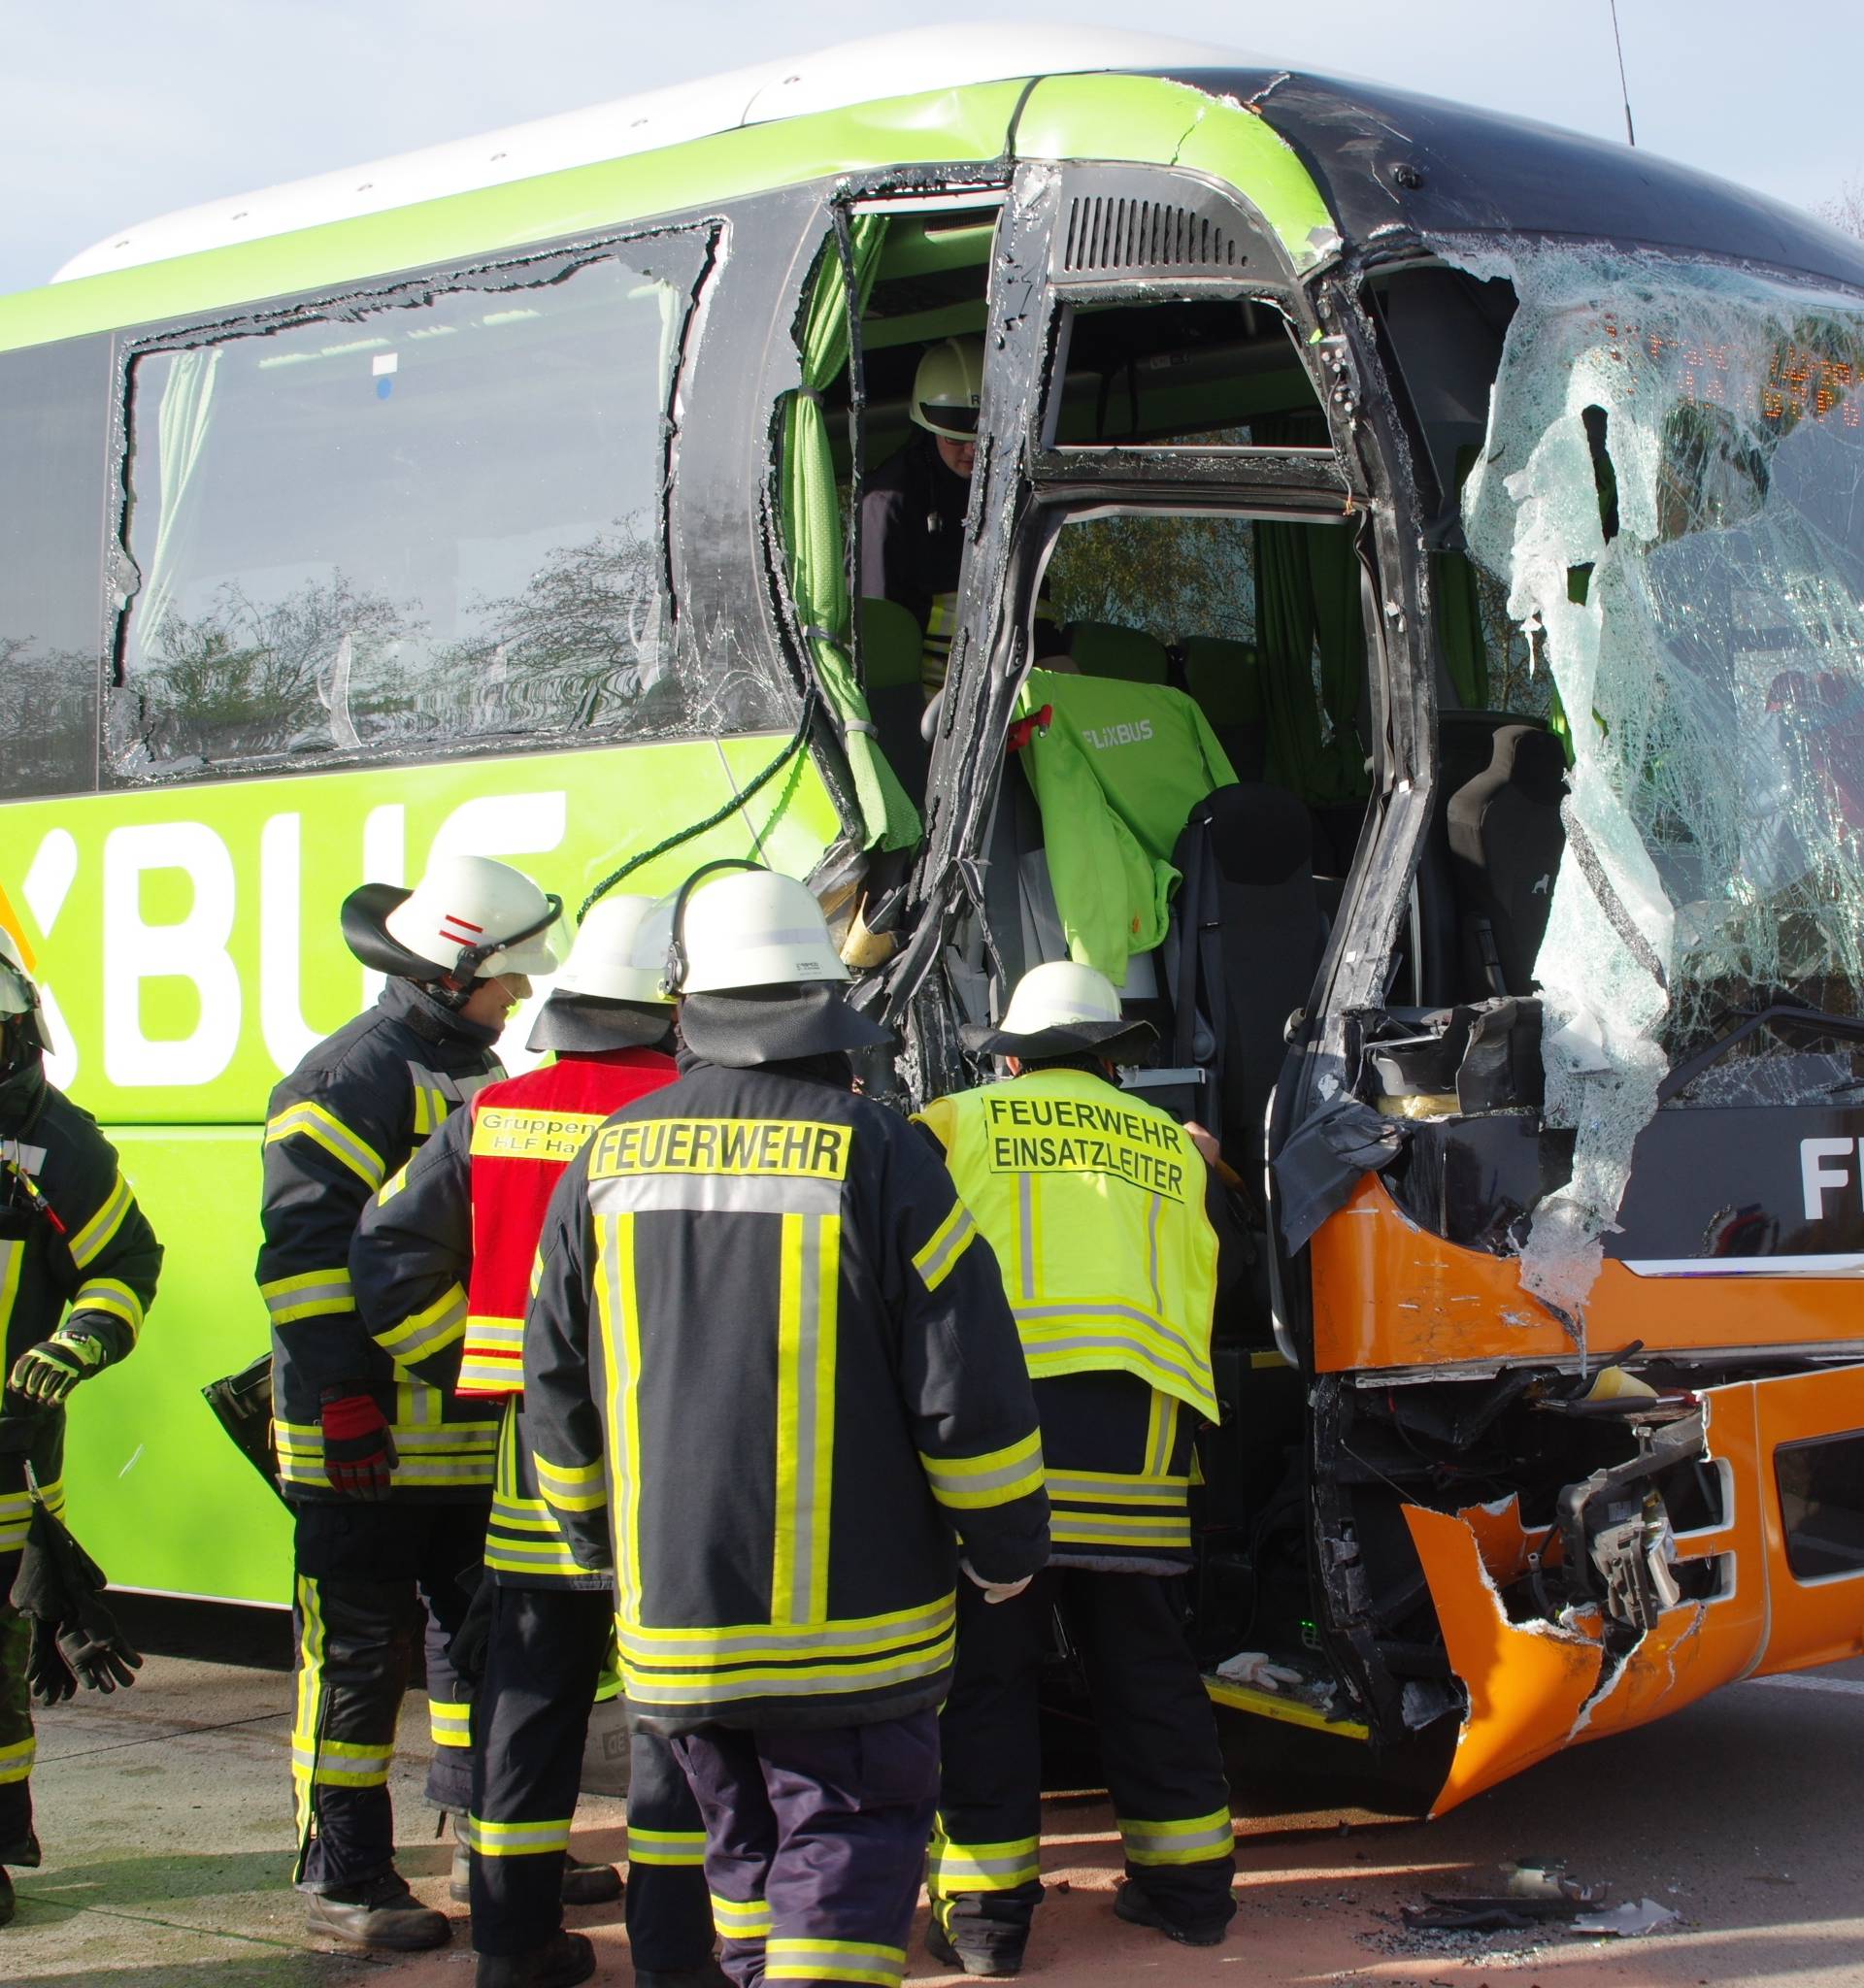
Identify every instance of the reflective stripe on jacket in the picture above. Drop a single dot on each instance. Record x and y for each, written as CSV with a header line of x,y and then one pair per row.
x,y
72,1237
769,1374
525,1130
1095,1203
442,1264
342,1126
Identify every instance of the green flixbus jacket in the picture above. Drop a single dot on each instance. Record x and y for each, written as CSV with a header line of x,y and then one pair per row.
x,y
1115,775
349,1118
772,1379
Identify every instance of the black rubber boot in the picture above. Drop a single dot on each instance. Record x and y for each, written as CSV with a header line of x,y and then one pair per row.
x,y
711,1975
568,1959
590,1884
8,1906
583,1884
383,1915
1131,1904
982,1945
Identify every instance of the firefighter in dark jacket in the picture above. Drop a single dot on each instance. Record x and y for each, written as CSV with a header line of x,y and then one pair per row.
x,y
912,506
772,1380
389,1477
466,1214
1101,1208
77,1270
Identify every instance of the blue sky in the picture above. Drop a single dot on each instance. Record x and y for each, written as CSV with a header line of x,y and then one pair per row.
x,y
114,112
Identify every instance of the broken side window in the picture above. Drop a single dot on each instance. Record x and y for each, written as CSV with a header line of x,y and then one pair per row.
x,y
429,518
1670,491
54,404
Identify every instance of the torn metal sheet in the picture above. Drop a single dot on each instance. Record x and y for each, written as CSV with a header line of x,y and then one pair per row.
x,y
1668,491
1527,1683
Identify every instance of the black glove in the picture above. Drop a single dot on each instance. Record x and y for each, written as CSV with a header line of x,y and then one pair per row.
x,y
48,1677
96,1652
75,1637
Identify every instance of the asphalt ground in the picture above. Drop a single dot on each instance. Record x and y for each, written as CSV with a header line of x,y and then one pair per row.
x,y
165,1817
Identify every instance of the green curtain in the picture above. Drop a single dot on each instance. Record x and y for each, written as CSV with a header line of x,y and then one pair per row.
x,y
1459,627
1307,601
812,515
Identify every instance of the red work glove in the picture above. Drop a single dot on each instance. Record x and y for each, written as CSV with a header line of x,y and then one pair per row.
x,y
358,1452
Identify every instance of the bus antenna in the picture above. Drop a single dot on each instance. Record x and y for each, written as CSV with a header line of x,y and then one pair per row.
x,y
1624,88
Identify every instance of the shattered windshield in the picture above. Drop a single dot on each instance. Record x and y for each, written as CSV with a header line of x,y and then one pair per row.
x,y
1670,491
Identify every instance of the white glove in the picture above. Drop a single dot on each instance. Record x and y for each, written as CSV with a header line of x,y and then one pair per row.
x,y
995,1590
1252,1667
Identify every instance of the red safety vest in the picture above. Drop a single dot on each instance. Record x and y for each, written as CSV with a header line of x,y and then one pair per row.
x,y
525,1130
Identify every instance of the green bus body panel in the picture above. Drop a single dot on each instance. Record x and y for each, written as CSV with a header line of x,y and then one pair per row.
x,y
159,1495
186,937
1080,116
1170,124
142,1441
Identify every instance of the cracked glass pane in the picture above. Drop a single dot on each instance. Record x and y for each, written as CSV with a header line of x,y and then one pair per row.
x,y
1670,491
420,519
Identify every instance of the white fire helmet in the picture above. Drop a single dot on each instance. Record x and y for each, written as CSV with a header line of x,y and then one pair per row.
x,y
747,928
602,960
475,917
948,388
1060,994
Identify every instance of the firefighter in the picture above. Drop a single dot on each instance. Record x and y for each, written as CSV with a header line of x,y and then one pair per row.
x,y
1102,1208
388,1479
772,1380
465,1215
77,1270
913,506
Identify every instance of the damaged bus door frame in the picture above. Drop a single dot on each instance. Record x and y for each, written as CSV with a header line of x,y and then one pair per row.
x,y
1016,482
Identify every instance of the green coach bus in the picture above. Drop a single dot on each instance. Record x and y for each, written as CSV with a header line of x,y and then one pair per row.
x,y
1409,634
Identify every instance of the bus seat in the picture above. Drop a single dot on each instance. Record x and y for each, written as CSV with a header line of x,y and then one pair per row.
x,y
1506,841
890,645
1101,649
1224,677
1465,745
1248,933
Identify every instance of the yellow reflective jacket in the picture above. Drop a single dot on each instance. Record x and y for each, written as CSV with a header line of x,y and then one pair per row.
x,y
1095,1203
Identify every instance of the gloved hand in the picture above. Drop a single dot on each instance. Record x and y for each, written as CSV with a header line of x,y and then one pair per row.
x,y
95,1652
49,1372
48,1677
996,1590
358,1449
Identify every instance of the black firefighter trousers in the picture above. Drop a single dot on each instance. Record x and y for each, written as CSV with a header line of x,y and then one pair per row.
x,y
1158,1747
543,1657
363,1572
17,1844
815,1846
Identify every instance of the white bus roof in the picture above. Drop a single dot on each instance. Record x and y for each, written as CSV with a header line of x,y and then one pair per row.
x,y
903,64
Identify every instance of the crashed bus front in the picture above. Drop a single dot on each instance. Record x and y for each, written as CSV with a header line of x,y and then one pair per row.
x,y
1545,1414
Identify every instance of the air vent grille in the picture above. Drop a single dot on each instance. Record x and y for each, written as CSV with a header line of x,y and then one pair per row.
x,y
1113,232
